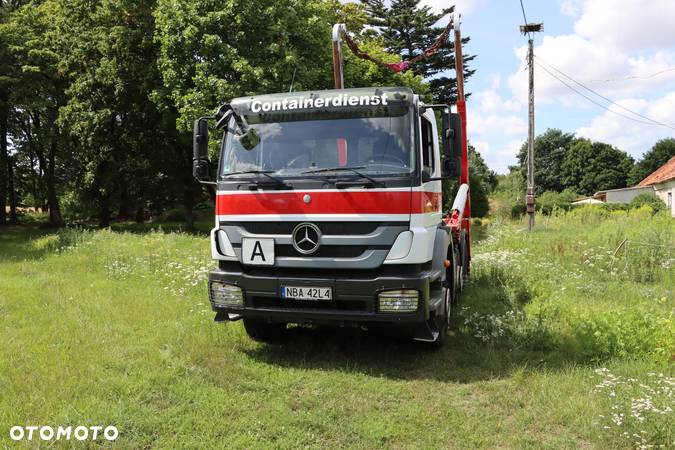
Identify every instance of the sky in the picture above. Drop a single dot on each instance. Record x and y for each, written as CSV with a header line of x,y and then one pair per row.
x,y
622,49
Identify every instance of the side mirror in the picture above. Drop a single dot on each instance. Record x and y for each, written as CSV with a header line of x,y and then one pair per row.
x,y
200,139
452,144
200,169
200,145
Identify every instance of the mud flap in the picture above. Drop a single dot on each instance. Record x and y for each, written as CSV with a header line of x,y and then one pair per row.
x,y
427,331
222,317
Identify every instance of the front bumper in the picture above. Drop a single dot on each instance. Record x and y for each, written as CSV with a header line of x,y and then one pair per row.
x,y
354,296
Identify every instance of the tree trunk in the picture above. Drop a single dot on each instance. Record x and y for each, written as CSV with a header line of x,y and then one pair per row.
x,y
33,181
104,210
11,191
140,214
55,218
189,204
3,166
124,211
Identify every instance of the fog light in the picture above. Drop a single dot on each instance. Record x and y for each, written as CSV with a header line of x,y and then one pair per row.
x,y
404,300
223,295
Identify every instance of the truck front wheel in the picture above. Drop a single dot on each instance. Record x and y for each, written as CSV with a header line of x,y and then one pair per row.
x,y
262,331
443,320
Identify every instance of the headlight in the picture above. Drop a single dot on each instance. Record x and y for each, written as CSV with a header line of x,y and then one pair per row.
x,y
223,295
403,300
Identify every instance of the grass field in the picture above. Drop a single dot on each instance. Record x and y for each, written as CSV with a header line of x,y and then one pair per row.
x,y
561,341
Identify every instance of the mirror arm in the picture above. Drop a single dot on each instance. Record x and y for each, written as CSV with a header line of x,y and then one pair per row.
x,y
223,116
207,183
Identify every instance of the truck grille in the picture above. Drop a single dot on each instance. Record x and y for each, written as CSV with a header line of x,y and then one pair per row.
x,y
358,245
328,228
325,251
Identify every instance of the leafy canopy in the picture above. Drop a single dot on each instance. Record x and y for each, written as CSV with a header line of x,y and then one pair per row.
x,y
657,156
593,166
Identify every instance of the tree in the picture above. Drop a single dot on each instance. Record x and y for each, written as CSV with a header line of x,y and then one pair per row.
x,y
407,29
487,176
7,81
657,156
549,151
593,166
482,181
110,57
212,52
36,98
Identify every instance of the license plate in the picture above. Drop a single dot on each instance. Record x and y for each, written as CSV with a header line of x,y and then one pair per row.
x,y
306,293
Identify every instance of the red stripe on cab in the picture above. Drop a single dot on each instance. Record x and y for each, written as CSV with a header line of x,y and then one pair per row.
x,y
345,202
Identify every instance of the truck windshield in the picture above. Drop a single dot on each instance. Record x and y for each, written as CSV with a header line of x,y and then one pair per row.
x,y
378,146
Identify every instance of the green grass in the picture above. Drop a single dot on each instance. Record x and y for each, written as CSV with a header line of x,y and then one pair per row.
x,y
554,336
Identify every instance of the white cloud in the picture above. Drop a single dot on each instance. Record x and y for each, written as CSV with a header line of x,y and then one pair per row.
x,y
499,157
490,115
609,71
663,110
628,24
629,135
570,7
489,112
461,6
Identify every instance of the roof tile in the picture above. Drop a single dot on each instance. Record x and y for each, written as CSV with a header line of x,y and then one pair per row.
x,y
663,173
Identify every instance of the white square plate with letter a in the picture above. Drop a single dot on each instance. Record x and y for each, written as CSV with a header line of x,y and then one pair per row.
x,y
258,252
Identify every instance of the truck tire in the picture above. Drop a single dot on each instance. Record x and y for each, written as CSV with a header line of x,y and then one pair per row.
x,y
452,273
443,321
464,257
262,331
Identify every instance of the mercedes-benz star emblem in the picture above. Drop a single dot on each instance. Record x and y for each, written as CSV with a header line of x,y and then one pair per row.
x,y
306,237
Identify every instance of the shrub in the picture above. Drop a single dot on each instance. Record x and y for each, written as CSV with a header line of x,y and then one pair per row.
x,y
549,201
652,200
623,333
518,209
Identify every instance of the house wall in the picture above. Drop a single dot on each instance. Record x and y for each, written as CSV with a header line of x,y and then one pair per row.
x,y
626,195
663,189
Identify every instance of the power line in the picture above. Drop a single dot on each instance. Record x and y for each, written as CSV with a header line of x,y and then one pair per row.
x,y
522,8
655,122
632,77
592,100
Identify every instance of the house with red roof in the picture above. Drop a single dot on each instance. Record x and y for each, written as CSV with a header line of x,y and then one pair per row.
x,y
663,182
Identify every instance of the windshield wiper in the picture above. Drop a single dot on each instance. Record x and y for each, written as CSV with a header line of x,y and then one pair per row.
x,y
348,169
259,172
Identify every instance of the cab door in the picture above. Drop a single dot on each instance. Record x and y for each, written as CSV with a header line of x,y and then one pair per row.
x,y
426,198
431,168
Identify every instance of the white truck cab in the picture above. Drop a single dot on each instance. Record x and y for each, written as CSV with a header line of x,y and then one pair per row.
x,y
329,210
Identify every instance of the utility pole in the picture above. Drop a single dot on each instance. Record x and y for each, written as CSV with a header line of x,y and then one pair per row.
x,y
528,29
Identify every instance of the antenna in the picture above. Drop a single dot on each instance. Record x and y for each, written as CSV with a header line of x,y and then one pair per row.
x,y
295,69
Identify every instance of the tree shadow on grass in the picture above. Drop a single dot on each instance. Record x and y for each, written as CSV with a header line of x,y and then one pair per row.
x,y
467,356
16,242
388,355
